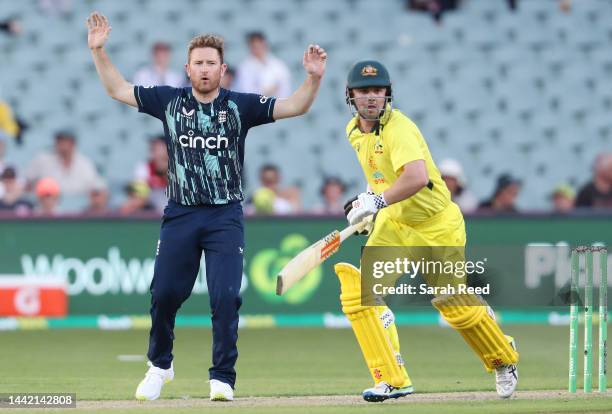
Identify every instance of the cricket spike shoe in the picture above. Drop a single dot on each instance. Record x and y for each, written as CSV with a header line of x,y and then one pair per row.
x,y
155,378
506,377
220,391
383,391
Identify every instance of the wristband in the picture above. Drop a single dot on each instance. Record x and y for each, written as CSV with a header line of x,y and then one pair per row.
x,y
379,201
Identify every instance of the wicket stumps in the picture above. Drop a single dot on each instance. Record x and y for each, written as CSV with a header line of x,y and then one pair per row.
x,y
602,257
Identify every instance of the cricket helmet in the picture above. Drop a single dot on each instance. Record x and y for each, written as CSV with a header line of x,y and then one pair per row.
x,y
368,73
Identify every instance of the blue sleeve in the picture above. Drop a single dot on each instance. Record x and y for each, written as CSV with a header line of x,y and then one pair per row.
x,y
153,100
256,109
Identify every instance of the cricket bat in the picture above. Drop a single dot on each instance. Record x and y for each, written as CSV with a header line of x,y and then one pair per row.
x,y
314,255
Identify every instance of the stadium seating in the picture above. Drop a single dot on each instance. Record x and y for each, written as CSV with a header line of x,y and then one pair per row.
x,y
528,92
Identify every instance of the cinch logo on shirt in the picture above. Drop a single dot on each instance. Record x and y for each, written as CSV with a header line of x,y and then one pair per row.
x,y
196,141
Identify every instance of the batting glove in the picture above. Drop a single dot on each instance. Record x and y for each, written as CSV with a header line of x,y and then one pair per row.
x,y
366,204
348,206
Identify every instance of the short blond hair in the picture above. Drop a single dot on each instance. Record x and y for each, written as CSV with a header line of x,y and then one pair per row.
x,y
206,40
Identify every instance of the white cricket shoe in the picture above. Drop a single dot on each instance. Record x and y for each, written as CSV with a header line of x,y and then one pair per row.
x,y
383,391
220,391
155,378
506,377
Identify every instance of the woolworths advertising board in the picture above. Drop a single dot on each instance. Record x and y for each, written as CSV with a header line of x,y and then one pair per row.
x,y
107,265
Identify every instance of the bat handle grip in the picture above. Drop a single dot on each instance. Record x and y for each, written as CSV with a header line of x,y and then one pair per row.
x,y
350,230
347,232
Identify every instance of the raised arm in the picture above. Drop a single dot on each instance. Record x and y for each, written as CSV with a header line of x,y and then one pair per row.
x,y
116,86
300,101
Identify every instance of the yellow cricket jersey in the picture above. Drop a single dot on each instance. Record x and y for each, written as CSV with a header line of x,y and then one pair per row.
x,y
382,157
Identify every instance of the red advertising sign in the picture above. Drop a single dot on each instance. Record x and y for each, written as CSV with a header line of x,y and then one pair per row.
x,y
32,296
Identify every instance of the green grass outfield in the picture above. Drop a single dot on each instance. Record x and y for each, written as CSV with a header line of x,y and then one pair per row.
x,y
286,362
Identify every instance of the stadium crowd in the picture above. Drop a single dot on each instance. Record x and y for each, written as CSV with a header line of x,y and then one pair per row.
x,y
64,174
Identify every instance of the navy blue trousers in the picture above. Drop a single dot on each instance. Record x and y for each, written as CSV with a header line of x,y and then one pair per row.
x,y
186,231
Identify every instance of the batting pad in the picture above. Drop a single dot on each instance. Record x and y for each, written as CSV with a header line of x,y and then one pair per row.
x,y
387,318
370,324
475,321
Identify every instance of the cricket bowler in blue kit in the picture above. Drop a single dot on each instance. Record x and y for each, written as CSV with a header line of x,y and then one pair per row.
x,y
205,128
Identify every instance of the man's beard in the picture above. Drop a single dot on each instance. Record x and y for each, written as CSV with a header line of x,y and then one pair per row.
x,y
205,89
371,116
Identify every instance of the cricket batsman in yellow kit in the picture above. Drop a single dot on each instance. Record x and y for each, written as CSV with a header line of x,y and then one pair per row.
x,y
412,207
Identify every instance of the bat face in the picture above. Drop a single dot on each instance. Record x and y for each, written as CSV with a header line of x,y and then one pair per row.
x,y
307,260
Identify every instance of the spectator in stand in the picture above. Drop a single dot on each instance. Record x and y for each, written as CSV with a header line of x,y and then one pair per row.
x,y
598,192
262,72
453,176
47,195
504,196
74,173
564,5
98,201
227,81
563,197
11,26
154,172
333,194
12,193
158,72
137,199
435,7
270,198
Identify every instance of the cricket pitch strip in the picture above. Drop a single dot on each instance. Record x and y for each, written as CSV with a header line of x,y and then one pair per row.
x,y
321,400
